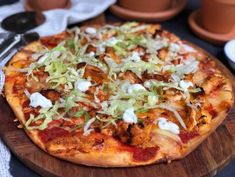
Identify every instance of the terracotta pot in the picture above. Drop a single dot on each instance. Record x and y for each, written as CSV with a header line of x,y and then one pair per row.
x,y
145,5
218,16
42,5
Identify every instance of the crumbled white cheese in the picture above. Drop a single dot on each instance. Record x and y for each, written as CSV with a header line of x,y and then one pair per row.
x,y
148,83
37,99
101,48
90,30
185,84
91,54
129,116
135,87
164,124
82,85
174,47
112,41
135,56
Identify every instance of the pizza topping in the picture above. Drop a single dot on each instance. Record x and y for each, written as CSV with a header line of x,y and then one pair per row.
x,y
52,95
52,133
129,116
186,136
145,154
185,85
134,88
177,115
135,56
164,124
90,30
36,99
87,130
82,85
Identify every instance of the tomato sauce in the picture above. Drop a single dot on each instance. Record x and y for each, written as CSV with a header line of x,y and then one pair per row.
x,y
52,133
140,154
186,136
212,111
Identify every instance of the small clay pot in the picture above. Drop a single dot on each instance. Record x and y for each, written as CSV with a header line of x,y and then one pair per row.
x,y
42,5
218,16
145,5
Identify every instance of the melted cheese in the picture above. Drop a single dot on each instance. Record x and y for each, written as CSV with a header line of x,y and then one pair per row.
x,y
129,116
164,124
36,99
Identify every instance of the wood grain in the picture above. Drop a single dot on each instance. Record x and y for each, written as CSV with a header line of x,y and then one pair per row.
x,y
212,155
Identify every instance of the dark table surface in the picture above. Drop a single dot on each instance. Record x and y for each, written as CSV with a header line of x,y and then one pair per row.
x,y
177,25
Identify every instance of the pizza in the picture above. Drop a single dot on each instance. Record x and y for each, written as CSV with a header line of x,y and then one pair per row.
x,y
116,95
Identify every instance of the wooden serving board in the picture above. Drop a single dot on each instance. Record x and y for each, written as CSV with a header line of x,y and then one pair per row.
x,y
212,155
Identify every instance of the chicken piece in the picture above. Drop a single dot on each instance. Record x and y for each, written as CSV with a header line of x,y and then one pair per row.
x,y
96,74
133,134
129,75
52,95
91,48
37,85
111,53
160,77
51,42
163,53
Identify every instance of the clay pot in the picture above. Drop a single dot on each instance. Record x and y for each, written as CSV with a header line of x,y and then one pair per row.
x,y
145,5
218,16
42,5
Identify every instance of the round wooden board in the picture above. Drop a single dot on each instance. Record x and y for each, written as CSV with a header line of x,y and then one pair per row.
x,y
212,155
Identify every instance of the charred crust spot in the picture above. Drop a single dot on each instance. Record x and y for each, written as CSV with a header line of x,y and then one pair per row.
x,y
199,93
97,129
141,124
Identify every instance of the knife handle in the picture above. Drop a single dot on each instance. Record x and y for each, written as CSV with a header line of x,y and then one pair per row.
x,y
5,52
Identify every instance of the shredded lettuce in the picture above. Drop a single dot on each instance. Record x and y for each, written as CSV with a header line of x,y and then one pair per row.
x,y
61,65
45,114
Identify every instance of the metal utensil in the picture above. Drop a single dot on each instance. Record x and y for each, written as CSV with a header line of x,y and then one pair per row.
x,y
17,24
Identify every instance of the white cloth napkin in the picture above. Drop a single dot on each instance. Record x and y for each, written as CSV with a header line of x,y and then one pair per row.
x,y
58,19
4,160
56,22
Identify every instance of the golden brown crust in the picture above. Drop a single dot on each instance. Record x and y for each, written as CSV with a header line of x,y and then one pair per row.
x,y
59,146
